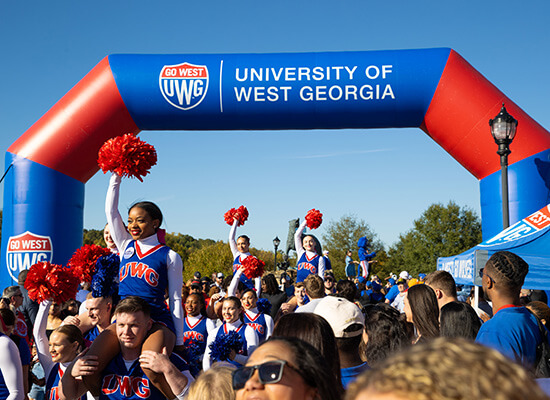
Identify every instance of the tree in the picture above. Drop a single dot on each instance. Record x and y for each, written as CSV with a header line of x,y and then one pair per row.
x,y
93,236
441,231
217,257
342,235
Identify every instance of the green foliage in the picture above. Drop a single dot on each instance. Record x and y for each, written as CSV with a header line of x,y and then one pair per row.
x,y
342,235
209,259
441,231
185,245
216,257
94,236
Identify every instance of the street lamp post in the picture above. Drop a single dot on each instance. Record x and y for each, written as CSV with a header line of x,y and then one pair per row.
x,y
503,129
276,243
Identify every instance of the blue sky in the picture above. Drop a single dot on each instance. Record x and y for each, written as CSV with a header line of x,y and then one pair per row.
x,y
387,177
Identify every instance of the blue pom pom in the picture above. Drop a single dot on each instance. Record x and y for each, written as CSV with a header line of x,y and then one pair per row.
x,y
263,306
193,356
104,280
221,347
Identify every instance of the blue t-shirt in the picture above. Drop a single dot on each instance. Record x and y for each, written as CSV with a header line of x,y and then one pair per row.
x,y
514,332
351,373
392,293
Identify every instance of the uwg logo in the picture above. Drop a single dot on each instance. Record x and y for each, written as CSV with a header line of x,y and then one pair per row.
x,y
141,271
257,327
184,86
126,386
305,265
194,336
25,250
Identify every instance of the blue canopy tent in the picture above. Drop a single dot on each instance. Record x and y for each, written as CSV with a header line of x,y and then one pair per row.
x,y
528,238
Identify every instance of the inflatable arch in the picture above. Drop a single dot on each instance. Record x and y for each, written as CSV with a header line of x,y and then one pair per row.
x,y
434,89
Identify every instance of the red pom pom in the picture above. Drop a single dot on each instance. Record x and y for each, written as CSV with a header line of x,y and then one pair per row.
x,y
228,216
82,263
253,267
45,281
37,283
127,156
314,219
240,214
63,283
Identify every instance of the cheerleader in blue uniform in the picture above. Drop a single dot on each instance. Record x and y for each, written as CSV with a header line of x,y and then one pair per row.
x,y
148,269
310,259
232,316
195,324
262,323
55,354
240,248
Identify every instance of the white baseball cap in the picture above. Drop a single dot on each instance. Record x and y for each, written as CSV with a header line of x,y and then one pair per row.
x,y
341,313
404,275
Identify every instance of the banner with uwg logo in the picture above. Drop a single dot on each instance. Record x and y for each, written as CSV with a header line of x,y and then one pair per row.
x,y
25,250
34,228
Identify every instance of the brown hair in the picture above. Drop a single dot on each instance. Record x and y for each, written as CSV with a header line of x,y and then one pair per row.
x,y
132,305
443,281
315,286
73,334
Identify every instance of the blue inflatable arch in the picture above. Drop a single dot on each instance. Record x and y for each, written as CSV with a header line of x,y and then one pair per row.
x,y
433,89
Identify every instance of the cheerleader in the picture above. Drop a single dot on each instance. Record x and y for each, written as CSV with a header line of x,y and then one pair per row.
x,y
55,354
310,259
262,323
240,250
195,324
232,316
148,269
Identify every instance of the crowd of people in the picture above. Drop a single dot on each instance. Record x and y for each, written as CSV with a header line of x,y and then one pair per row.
x,y
305,336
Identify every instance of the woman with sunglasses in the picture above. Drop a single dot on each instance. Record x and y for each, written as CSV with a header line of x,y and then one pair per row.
x,y
286,369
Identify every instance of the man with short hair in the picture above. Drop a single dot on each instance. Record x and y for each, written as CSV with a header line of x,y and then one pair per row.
x,y
399,302
15,298
444,286
315,290
123,378
298,300
347,323
513,330
29,308
330,283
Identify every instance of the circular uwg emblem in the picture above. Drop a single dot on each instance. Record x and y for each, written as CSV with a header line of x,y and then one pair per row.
x,y
25,250
184,85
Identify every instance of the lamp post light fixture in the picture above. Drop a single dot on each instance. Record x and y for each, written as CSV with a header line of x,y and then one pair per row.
x,y
276,243
503,129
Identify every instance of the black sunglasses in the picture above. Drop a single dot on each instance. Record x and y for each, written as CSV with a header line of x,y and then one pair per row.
x,y
268,372
481,275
